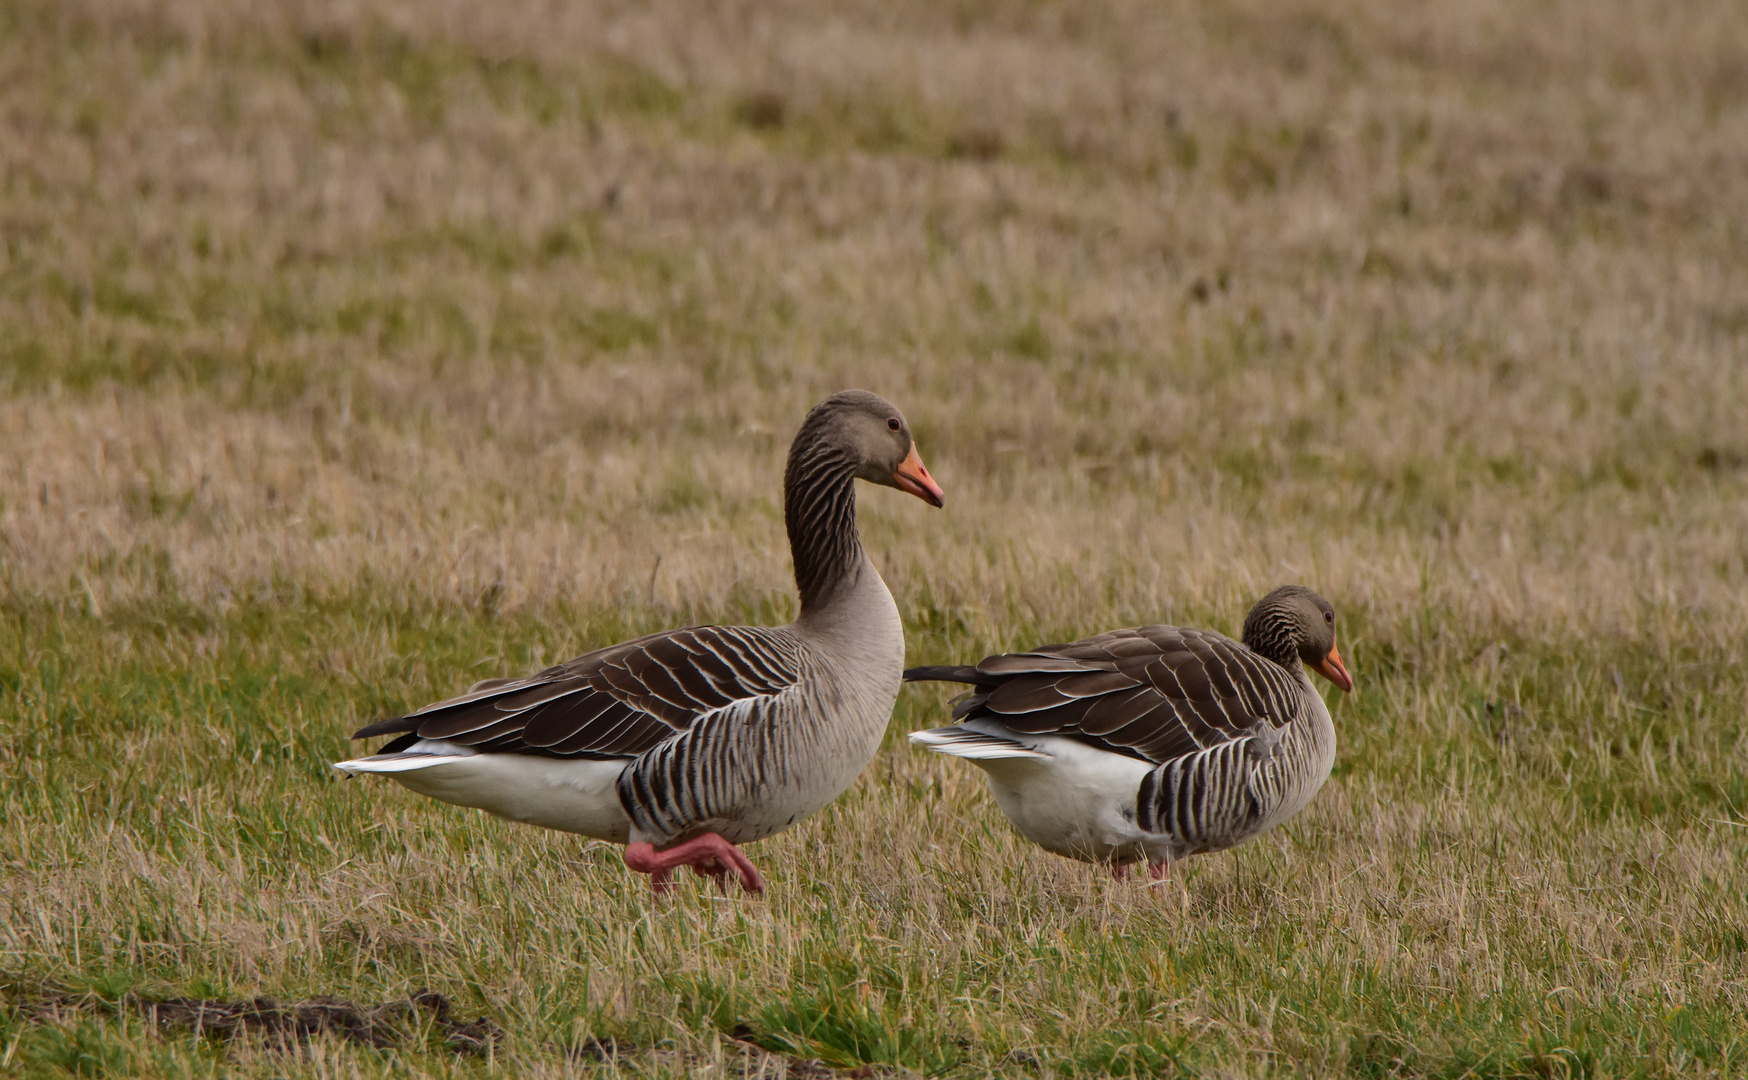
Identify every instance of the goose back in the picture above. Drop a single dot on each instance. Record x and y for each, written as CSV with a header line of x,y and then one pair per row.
x,y
1156,693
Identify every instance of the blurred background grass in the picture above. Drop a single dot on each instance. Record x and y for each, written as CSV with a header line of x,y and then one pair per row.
x,y
354,352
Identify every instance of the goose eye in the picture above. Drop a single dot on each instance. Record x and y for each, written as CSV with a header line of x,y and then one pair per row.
x,y
894,424
1329,617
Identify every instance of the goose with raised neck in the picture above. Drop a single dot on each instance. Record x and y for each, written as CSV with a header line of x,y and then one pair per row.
x,y
686,744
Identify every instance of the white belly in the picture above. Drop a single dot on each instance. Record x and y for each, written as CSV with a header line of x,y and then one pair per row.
x,y
570,795
1079,802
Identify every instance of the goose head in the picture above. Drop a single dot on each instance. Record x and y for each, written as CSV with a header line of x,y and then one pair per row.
x,y
1293,624
870,434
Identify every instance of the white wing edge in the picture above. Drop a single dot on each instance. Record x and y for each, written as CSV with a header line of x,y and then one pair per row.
x,y
975,745
421,755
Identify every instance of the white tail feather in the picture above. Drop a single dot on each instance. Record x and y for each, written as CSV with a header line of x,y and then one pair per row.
x,y
965,743
394,763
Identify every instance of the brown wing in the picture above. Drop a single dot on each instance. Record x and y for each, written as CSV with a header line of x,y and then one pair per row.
x,y
1155,693
615,702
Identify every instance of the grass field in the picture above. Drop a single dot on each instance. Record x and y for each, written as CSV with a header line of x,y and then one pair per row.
x,y
353,352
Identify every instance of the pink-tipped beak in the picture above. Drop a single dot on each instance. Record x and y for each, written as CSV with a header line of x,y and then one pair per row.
x,y
913,476
1335,671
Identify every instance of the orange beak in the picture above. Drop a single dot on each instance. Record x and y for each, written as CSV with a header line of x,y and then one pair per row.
x,y
1335,671
913,476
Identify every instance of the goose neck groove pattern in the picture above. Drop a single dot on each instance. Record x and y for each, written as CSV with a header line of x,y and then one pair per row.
x,y
1271,632
819,509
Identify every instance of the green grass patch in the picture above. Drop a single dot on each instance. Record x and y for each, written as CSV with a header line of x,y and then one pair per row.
x,y
169,766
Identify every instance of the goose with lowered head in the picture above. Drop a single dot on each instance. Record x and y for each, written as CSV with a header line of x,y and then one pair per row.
x,y
1157,743
686,744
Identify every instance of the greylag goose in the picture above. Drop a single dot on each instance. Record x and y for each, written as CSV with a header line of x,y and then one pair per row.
x,y
683,745
1157,743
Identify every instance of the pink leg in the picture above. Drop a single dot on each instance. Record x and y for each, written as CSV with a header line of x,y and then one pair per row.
x,y
1159,870
708,854
1119,871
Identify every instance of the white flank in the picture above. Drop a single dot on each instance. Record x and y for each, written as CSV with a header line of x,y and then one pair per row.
x,y
578,795
1069,798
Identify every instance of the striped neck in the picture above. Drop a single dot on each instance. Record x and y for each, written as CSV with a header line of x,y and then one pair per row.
x,y
1272,632
819,509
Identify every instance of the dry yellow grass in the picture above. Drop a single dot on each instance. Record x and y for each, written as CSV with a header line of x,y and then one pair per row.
x,y
353,352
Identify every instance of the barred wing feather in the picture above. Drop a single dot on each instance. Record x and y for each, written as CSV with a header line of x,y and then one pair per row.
x,y
620,701
1155,693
